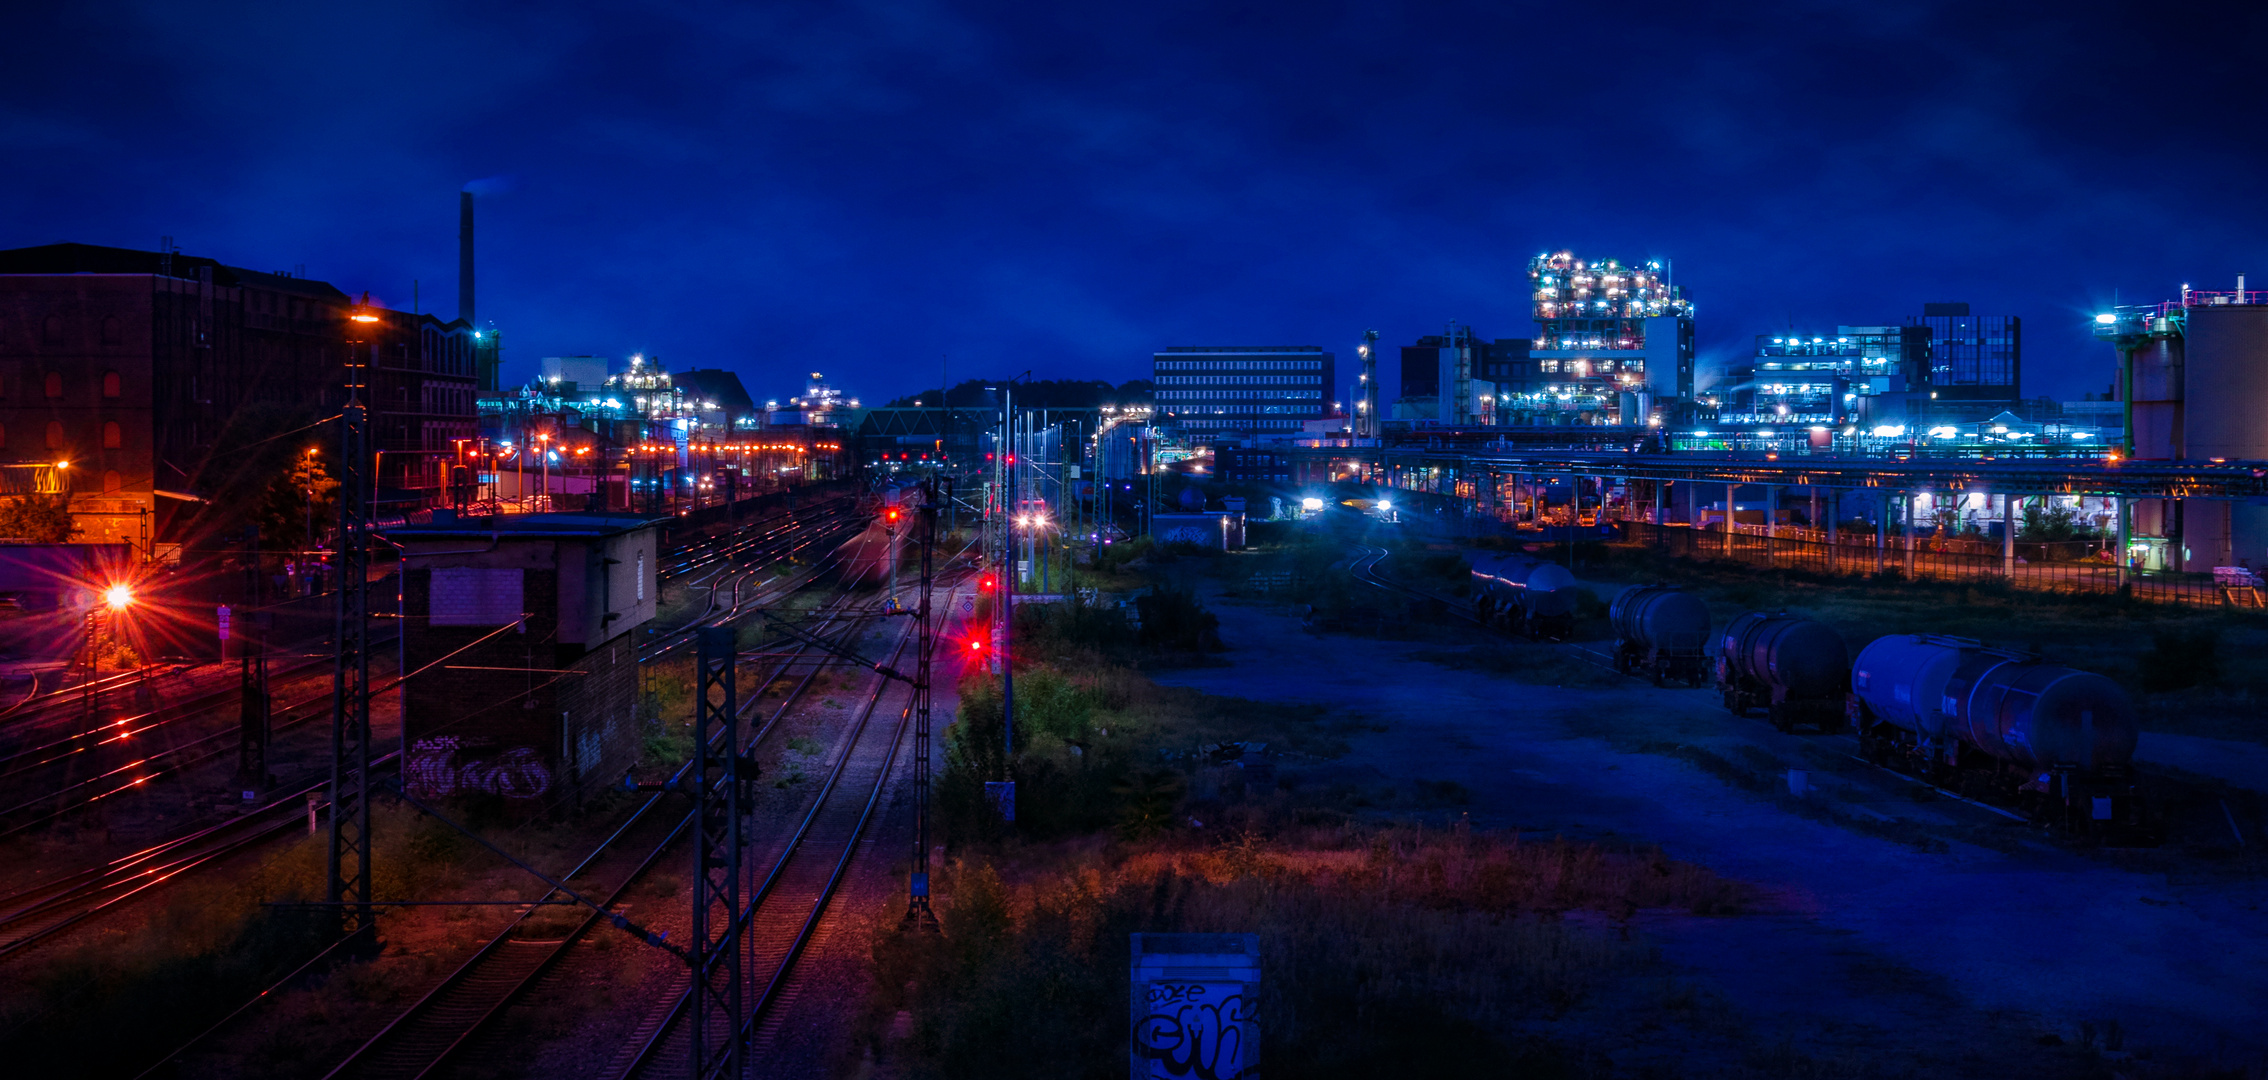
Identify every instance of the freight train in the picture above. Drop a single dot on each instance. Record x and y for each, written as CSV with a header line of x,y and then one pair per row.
x,y
2003,725
1531,596
1661,630
1796,670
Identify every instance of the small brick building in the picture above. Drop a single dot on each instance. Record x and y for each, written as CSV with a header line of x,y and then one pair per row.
x,y
544,713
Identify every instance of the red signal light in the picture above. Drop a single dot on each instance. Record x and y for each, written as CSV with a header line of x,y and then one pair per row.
x,y
984,584
976,646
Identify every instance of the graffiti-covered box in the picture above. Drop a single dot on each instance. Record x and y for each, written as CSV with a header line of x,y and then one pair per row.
x,y
1223,530
522,640
1195,1004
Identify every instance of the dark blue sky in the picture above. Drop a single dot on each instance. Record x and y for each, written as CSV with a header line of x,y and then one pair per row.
x,y
860,187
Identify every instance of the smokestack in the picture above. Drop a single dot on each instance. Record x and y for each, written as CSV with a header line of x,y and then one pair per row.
x,y
464,256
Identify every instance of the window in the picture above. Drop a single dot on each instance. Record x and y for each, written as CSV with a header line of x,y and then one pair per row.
x,y
111,481
52,333
111,435
3,436
54,435
113,332
111,384
54,384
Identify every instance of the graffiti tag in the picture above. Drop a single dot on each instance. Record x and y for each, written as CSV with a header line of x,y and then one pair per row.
x,y
1196,1030
440,767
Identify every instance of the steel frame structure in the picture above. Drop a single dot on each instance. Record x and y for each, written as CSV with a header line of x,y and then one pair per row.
x,y
348,862
717,790
919,917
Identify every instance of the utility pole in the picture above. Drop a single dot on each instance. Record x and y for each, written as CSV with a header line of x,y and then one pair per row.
x,y
349,857
1008,603
716,783
919,917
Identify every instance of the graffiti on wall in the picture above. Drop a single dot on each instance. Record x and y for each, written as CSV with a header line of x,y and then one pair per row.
x,y
440,767
1209,1031
1189,534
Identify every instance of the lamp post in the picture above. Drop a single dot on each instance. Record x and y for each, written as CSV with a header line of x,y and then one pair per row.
x,y
543,470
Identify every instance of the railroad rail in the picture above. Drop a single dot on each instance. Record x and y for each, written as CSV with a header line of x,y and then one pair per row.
x,y
444,1023
38,913
791,899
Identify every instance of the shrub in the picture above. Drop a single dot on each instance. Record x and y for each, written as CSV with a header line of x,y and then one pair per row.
x,y
2180,659
1387,952
1173,619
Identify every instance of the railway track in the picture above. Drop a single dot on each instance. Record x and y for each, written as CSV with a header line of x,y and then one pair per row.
x,y
442,1025
39,913
135,774
786,906
830,534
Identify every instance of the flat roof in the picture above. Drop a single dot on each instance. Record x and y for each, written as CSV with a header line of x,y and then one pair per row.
x,y
446,524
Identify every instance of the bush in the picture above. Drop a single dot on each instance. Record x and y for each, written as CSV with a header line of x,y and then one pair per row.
x,y
1388,952
2180,659
1173,619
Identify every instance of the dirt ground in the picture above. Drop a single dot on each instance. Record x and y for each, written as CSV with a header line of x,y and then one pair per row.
x,y
1899,922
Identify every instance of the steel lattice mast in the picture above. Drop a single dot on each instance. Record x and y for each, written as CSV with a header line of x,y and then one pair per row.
x,y
717,791
918,914
349,858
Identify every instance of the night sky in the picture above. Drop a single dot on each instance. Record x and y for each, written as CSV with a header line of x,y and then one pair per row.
x,y
860,188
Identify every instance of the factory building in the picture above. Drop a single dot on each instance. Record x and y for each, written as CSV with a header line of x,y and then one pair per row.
x,y
1975,360
1239,390
140,368
1610,338
1860,375
1480,376
2192,375
526,628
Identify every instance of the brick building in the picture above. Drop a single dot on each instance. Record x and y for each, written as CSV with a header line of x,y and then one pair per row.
x,y
543,714
144,370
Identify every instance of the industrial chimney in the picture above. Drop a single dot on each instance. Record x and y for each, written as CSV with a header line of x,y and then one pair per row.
x,y
464,256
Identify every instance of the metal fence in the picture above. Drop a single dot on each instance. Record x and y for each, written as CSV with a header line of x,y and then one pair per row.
x,y
1913,558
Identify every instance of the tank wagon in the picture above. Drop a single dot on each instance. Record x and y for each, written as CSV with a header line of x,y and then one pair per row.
x,y
1534,597
1662,630
1796,670
2051,740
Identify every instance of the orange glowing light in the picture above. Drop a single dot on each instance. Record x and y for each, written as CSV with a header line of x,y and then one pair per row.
x,y
118,597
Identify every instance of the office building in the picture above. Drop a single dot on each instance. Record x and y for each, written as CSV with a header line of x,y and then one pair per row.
x,y
1242,389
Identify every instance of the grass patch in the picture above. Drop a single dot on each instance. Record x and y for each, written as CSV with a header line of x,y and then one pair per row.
x,y
1391,951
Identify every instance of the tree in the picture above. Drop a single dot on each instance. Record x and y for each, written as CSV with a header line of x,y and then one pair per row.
x,y
284,509
41,519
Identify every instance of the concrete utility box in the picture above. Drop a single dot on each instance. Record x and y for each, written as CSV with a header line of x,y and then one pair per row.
x,y
1194,1004
546,711
1214,530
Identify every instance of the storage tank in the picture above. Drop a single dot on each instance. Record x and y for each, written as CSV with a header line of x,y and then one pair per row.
x,y
1901,680
2041,715
2012,706
1662,629
1794,667
1532,586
